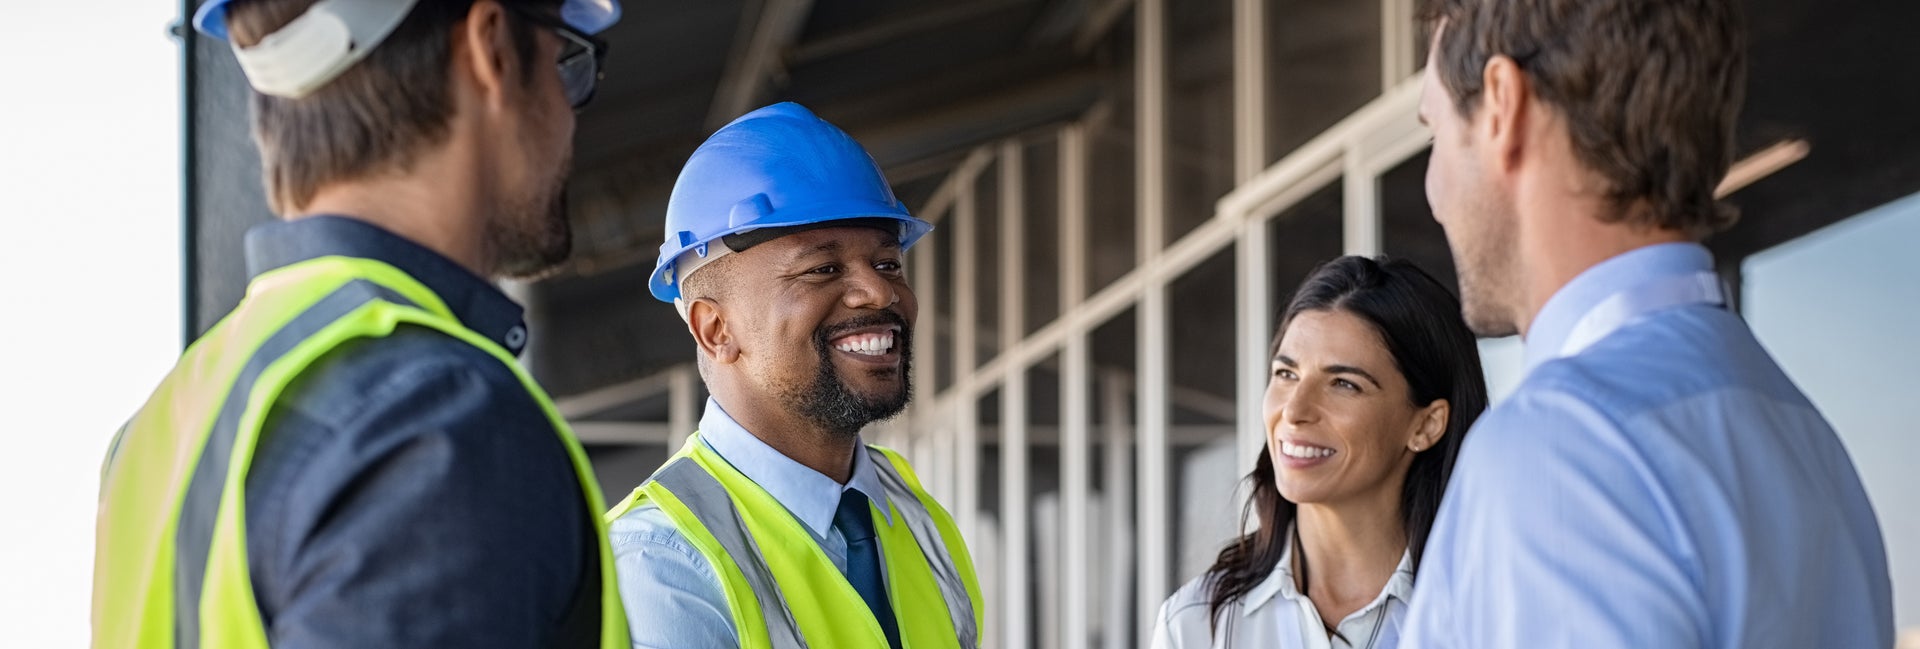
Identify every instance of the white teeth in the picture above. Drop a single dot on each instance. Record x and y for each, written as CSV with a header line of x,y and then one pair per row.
x,y
1303,452
867,344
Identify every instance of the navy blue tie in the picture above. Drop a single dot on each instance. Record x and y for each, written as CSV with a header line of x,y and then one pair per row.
x,y
855,521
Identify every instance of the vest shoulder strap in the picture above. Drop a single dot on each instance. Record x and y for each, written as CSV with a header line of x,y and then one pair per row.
x,y
688,493
173,538
938,539
701,506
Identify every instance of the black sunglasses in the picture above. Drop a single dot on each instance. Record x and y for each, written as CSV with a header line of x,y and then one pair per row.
x,y
583,58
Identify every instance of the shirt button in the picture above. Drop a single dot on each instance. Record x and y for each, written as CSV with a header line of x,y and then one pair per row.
x,y
516,337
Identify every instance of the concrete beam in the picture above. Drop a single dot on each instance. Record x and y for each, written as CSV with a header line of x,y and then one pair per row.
x,y
894,28
764,37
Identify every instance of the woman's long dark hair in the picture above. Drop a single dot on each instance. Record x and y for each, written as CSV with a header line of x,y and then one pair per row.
x,y
1419,319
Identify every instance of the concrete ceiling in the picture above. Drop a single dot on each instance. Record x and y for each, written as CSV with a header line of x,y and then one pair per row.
x,y
920,82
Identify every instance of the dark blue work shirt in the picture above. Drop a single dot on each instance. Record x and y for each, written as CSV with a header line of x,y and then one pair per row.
x,y
407,490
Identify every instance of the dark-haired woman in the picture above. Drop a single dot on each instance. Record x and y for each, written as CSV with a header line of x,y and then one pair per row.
x,y
1375,380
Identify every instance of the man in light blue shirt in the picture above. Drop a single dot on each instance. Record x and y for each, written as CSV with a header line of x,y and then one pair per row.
x,y
1655,480
672,593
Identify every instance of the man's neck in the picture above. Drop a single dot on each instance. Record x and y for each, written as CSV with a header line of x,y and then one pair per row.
x,y
437,205
795,436
1558,247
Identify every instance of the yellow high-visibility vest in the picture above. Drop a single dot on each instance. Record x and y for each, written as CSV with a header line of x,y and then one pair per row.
x,y
170,566
782,590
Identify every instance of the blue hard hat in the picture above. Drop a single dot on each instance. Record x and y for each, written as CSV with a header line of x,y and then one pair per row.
x,y
777,167
589,16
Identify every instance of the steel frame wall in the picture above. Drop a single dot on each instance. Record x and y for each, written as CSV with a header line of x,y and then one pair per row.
x,y
941,431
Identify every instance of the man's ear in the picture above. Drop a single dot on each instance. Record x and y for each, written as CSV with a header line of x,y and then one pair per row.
x,y
483,44
1431,425
708,324
1505,99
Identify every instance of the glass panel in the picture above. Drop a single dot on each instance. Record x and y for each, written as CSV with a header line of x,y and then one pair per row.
x,y
1406,222
1854,356
1300,238
1043,492
941,242
1202,355
1323,62
1112,225
1409,232
986,265
1199,111
988,542
1112,580
1040,239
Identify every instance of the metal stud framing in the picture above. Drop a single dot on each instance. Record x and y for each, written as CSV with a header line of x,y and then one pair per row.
x,y
1134,499
941,431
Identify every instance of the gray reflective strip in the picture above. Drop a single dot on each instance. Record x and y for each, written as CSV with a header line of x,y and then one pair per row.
x,y
925,533
707,499
193,539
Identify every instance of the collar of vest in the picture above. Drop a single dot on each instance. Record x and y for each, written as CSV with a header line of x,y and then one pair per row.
x,y
782,589
474,301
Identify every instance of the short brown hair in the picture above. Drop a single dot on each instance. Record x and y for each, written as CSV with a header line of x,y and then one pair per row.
x,y
1651,90
378,116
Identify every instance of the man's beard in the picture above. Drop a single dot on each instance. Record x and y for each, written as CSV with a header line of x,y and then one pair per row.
x,y
829,402
1485,260
533,236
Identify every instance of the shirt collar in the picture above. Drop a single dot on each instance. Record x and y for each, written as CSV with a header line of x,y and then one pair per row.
x,y
477,303
1280,582
809,495
1563,311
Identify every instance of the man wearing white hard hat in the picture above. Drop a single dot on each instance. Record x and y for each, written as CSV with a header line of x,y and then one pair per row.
x,y
353,457
776,527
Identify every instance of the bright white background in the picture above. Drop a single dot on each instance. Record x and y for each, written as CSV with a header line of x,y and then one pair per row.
x,y
89,280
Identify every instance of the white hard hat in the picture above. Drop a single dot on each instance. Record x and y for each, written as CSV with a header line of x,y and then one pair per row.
x,y
332,35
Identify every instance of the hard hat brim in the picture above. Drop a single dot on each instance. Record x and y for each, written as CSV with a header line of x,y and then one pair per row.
x,y
911,230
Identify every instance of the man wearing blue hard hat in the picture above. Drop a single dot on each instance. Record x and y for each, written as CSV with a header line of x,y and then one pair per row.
x,y
353,457
776,526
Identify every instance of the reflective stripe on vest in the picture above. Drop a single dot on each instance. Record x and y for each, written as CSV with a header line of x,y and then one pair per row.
x,y
193,540
754,577
708,501
171,564
952,588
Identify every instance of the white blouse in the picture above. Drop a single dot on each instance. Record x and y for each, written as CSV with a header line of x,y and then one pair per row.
x,y
1277,615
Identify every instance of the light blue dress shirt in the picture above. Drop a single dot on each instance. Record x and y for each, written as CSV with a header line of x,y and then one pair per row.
x,y
672,594
1655,481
